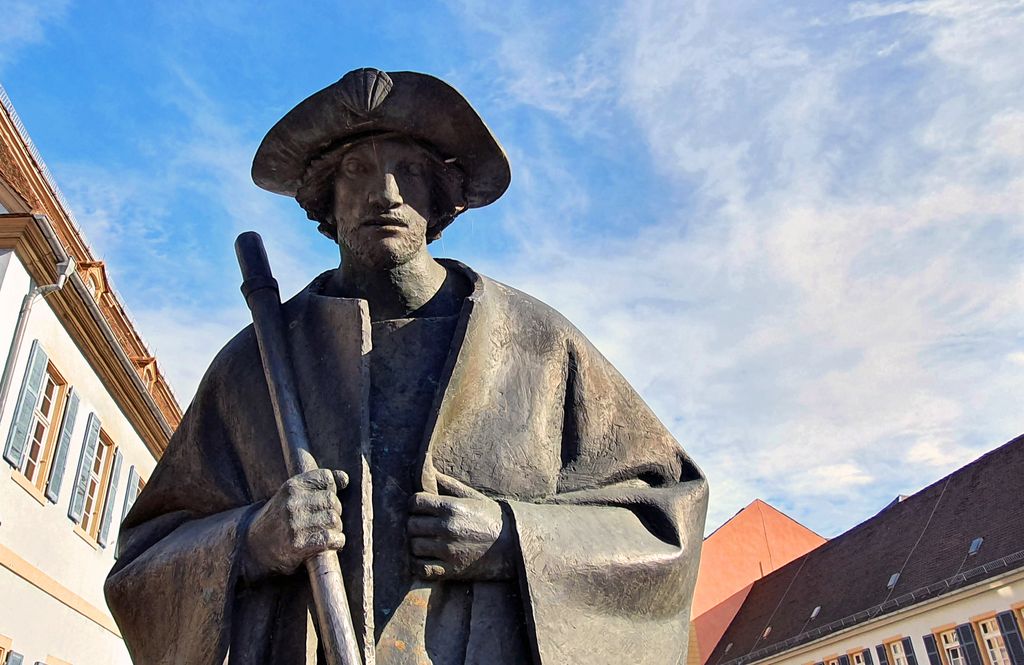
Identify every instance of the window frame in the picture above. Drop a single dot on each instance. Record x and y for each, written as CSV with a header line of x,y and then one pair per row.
x,y
856,656
92,516
941,645
992,623
53,660
48,447
891,652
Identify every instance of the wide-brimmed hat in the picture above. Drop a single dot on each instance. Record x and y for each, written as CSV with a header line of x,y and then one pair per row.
x,y
366,102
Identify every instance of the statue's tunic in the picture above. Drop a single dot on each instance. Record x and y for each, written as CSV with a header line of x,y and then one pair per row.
x,y
406,363
607,508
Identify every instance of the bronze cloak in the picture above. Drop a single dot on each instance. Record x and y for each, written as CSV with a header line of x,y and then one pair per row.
x,y
608,508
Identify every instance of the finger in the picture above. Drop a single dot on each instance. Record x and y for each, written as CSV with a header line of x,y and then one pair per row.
x,y
311,522
429,569
424,525
452,487
323,519
317,479
335,540
322,539
424,503
335,503
429,548
340,479
319,500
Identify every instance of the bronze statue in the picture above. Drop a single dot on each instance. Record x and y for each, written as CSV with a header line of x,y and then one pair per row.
x,y
495,491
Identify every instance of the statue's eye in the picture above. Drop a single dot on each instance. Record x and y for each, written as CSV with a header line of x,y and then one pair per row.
x,y
412,168
353,167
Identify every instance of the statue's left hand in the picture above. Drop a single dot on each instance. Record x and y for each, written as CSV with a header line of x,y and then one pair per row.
x,y
460,539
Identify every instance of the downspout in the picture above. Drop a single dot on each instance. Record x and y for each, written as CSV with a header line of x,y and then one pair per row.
x,y
65,269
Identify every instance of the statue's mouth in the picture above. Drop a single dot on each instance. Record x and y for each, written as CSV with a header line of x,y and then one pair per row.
x,y
387,220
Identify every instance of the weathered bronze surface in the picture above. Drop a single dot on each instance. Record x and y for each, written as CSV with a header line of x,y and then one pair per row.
x,y
495,490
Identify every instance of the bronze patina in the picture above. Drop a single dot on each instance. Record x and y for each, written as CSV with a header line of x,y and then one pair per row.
x,y
495,491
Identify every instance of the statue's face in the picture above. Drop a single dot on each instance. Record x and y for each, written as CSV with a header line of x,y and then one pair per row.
x,y
382,199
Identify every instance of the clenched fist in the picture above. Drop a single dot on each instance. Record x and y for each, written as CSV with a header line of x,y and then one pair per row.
x,y
300,521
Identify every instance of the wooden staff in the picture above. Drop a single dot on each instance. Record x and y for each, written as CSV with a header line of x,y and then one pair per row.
x,y
261,294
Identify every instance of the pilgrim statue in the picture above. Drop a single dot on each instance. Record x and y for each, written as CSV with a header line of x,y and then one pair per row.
x,y
495,491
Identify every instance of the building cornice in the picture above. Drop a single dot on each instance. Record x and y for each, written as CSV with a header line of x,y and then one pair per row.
x,y
39,250
26,173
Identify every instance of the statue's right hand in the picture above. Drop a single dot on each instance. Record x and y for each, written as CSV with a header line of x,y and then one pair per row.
x,y
300,521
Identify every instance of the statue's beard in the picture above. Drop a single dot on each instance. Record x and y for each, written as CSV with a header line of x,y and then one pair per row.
x,y
383,252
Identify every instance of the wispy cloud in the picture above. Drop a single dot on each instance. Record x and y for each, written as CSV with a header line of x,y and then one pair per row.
x,y
166,229
795,226
826,316
25,23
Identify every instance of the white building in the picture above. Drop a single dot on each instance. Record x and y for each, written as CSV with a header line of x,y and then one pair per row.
x,y
936,578
84,416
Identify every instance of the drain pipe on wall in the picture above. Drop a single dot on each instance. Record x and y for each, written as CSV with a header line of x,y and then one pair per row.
x,y
65,269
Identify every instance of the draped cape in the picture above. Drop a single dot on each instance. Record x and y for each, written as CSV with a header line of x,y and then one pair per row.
x,y
607,507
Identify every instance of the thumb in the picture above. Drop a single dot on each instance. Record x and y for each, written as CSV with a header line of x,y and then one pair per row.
x,y
448,486
340,479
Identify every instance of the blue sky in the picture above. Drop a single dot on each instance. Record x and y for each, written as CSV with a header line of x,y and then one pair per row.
x,y
796,227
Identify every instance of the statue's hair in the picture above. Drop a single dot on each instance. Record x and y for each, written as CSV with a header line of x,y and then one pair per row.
x,y
316,193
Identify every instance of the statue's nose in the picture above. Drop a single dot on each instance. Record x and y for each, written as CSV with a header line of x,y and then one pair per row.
x,y
386,196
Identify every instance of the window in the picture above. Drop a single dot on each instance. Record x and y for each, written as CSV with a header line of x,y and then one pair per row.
x,y
857,658
952,649
832,661
43,428
898,656
993,642
96,485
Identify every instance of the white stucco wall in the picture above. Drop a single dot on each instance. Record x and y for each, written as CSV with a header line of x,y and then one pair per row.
x,y
13,286
997,595
44,536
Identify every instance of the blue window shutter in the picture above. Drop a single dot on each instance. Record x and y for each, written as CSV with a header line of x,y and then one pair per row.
x,y
965,633
883,658
868,660
85,460
108,503
844,660
1011,635
60,456
932,649
131,493
908,649
14,451
14,658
